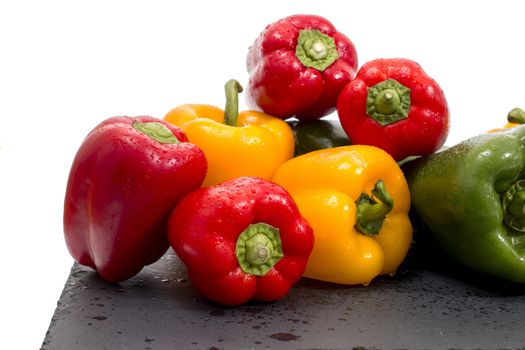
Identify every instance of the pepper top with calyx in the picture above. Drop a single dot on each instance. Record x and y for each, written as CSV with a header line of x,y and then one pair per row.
x,y
394,105
247,143
240,240
298,66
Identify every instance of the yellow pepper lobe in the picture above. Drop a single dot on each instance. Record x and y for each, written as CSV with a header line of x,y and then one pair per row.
x,y
340,255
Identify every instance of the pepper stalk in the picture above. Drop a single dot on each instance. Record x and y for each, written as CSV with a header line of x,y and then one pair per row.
x,y
513,204
258,248
232,88
156,131
370,212
315,49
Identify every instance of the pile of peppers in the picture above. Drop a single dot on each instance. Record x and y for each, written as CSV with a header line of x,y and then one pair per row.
x,y
252,201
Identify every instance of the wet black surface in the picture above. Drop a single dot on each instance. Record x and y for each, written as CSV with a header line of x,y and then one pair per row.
x,y
429,304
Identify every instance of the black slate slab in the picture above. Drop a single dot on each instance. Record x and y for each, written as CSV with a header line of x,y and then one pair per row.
x,y
425,306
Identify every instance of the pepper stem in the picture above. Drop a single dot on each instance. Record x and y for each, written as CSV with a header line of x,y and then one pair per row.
x,y
388,102
371,213
232,88
315,49
513,204
517,115
258,248
156,131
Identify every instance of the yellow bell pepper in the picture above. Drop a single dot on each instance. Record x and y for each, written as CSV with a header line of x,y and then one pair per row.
x,y
249,143
356,199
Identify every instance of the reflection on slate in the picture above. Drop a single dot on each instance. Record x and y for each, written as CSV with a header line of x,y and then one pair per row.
x,y
423,306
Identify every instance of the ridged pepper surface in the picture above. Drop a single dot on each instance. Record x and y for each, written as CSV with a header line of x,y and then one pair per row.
x,y
394,105
240,240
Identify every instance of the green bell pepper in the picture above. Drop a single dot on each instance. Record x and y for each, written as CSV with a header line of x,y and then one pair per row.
x,y
312,135
471,198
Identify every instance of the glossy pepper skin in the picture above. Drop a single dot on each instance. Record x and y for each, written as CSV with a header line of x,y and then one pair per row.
x,y
356,199
394,105
313,135
298,66
249,143
240,240
125,178
471,198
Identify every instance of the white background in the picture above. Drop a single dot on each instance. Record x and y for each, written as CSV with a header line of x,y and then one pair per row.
x,y
67,65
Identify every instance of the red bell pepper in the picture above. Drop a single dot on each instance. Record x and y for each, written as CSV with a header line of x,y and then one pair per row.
x,y
298,66
125,179
394,105
240,240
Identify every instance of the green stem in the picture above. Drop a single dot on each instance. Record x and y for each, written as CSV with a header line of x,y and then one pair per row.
x,y
388,102
513,204
258,248
315,49
371,213
517,115
232,89
156,131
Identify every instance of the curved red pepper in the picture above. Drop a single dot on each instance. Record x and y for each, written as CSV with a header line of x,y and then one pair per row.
x,y
126,177
394,105
240,240
298,66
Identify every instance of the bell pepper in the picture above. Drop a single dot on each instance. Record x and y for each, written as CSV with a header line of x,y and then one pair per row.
x,y
313,135
393,104
471,198
298,66
125,178
240,240
236,144
356,199
515,117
